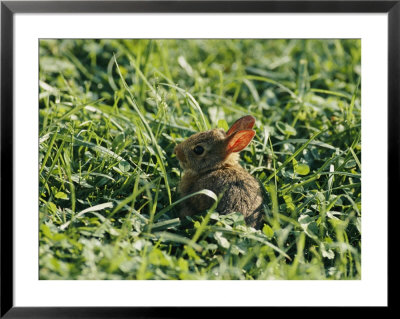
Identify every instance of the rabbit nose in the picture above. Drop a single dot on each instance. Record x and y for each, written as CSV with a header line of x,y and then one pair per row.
x,y
178,153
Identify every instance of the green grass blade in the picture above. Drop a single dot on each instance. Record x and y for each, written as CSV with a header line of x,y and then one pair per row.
x,y
290,158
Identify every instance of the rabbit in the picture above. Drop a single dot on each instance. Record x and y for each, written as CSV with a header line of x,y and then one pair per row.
x,y
210,160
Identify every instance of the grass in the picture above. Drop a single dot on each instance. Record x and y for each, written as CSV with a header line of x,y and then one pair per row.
x,y
111,112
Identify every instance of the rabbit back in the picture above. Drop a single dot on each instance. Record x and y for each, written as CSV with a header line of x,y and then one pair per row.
x,y
241,193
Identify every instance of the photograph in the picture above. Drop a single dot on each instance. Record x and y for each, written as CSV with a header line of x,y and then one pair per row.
x,y
199,159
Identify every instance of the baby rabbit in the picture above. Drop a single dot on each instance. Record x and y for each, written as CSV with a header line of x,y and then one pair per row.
x,y
210,160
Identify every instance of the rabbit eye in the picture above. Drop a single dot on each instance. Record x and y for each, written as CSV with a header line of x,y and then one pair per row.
x,y
198,150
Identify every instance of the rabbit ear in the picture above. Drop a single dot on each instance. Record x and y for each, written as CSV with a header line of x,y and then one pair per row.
x,y
244,123
239,140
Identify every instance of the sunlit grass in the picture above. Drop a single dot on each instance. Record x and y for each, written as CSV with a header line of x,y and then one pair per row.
x,y
111,112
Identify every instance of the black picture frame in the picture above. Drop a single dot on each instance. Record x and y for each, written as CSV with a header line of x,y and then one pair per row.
x,y
9,8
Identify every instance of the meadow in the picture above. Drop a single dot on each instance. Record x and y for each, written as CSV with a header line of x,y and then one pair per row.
x,y
110,114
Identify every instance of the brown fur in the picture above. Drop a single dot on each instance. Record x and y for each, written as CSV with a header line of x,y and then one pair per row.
x,y
218,170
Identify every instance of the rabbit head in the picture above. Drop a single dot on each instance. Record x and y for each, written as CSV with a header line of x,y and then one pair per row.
x,y
212,149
